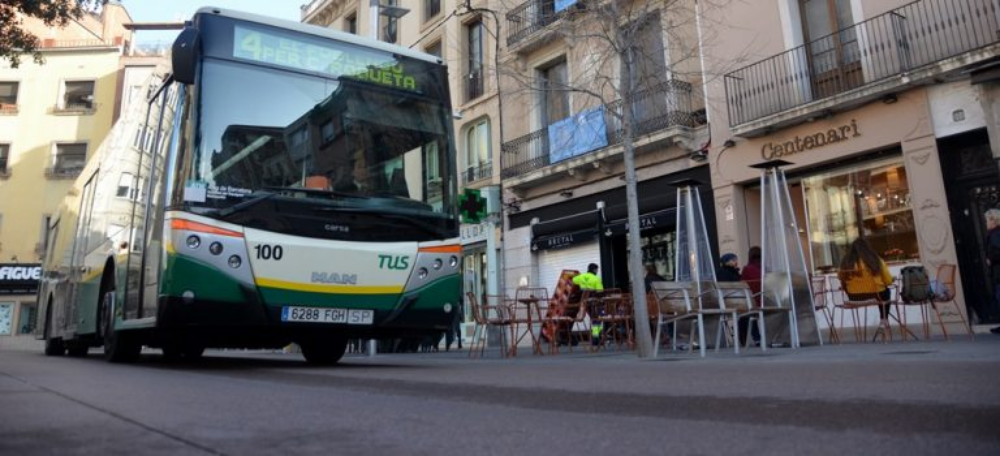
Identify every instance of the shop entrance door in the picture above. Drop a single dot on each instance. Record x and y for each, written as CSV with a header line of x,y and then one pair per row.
x,y
973,187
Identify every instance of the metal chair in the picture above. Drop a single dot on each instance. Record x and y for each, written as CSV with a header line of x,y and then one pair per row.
x,y
945,294
673,301
737,298
492,312
862,300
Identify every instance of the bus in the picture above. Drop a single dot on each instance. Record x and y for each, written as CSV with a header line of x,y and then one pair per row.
x,y
281,183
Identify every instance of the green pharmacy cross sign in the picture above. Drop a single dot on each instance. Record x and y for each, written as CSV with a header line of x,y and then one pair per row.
x,y
471,206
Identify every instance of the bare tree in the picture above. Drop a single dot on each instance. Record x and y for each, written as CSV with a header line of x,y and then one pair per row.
x,y
16,41
637,62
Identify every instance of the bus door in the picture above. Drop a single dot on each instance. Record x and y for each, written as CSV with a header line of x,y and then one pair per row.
x,y
78,270
155,202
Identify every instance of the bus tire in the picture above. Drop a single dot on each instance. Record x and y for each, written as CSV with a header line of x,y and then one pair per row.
x,y
78,350
178,352
323,351
53,345
119,346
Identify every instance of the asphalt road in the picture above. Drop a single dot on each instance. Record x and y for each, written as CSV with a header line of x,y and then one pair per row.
x,y
928,398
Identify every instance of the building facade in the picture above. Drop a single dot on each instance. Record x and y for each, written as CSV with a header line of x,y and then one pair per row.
x,y
53,116
885,111
463,38
573,73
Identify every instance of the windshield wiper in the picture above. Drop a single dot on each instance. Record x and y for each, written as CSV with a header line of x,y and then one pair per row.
x,y
312,191
429,228
225,212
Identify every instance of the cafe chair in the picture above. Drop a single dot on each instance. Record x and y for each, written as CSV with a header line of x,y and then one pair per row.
x,y
821,294
554,313
612,311
490,313
862,303
674,305
736,297
944,293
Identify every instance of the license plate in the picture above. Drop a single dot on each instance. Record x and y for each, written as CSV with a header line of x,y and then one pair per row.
x,y
327,315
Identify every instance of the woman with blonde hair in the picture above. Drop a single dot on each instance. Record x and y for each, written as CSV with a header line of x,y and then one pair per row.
x,y
865,276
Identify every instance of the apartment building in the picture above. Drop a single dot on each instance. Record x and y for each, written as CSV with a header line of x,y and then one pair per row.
x,y
568,68
885,111
461,35
53,116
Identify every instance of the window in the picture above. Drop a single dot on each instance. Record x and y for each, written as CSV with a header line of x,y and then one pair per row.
x,y
4,159
434,49
474,80
8,95
477,151
78,95
555,102
351,24
126,186
43,238
870,200
431,8
70,159
27,317
834,57
390,25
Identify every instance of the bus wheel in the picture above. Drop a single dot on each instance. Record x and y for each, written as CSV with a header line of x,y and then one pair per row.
x,y
177,352
78,350
119,346
323,351
53,345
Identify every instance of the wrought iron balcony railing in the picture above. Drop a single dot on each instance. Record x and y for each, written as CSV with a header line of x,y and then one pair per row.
x,y
477,172
915,35
528,18
475,85
655,109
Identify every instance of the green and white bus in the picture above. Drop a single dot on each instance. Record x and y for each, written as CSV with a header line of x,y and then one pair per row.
x,y
283,183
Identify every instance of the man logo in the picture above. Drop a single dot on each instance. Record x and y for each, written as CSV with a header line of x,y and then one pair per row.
x,y
334,278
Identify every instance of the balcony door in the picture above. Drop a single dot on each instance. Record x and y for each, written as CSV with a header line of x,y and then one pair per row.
x,y
832,46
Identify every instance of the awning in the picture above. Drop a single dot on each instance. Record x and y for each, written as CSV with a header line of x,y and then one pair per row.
x,y
653,220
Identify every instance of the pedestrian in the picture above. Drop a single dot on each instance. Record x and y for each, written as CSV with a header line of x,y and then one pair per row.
x,y
751,274
729,270
589,280
652,276
865,276
455,332
993,256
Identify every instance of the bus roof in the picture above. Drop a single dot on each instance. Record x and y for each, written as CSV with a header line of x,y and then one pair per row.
x,y
319,31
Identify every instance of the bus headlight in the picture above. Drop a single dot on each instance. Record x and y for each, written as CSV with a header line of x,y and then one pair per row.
x,y
193,242
215,248
235,261
422,273
453,261
437,264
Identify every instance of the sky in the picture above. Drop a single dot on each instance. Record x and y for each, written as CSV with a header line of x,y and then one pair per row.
x,y
181,10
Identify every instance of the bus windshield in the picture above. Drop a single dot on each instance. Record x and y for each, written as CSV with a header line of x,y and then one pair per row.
x,y
371,140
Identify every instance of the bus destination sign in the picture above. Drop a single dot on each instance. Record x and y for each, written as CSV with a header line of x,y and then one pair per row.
x,y
330,58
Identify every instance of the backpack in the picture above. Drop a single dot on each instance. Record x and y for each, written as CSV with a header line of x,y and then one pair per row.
x,y
916,285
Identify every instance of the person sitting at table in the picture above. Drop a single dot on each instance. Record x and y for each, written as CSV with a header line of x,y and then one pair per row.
x,y
652,276
751,274
865,276
729,270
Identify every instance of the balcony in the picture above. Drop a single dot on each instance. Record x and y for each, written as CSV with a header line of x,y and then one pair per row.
x,y
656,110
475,173
526,22
475,85
901,48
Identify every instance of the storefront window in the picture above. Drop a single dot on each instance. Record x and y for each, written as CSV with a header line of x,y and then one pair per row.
x,y
658,250
26,321
870,200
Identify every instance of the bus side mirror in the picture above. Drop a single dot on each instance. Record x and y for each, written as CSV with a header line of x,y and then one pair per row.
x,y
184,55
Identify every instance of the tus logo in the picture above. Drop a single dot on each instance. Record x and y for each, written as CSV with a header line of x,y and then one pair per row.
x,y
397,263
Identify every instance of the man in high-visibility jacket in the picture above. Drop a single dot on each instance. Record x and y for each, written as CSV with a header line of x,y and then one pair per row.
x,y
589,280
